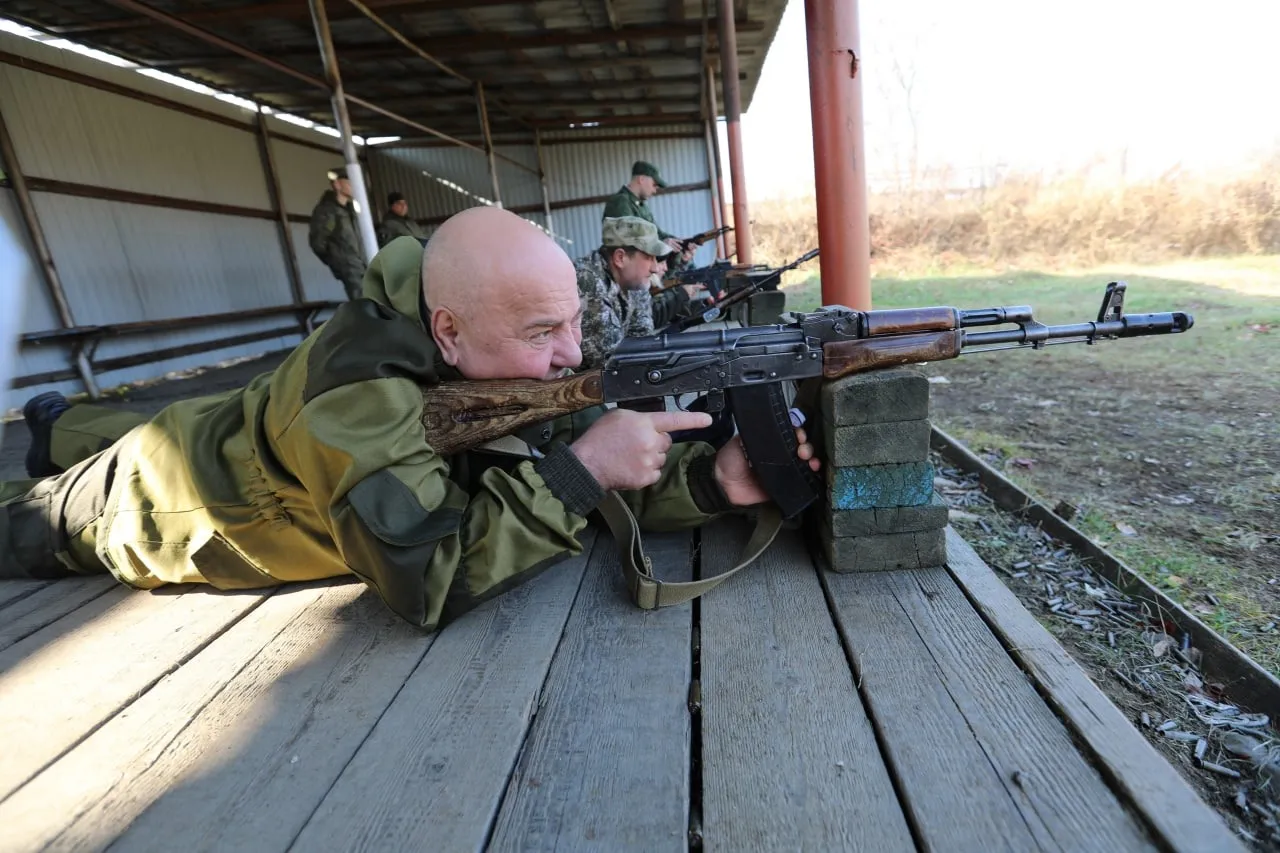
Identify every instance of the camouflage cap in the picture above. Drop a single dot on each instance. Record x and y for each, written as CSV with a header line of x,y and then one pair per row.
x,y
632,232
640,167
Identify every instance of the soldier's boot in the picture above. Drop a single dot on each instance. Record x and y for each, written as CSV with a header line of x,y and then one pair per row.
x,y
40,413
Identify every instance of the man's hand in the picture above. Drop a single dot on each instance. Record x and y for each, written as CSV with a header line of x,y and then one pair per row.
x,y
738,480
694,290
628,450
675,243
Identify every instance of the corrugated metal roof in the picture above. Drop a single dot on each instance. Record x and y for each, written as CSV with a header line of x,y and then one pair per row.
x,y
552,62
132,79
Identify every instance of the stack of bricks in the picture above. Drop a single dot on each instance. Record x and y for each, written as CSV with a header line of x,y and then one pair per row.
x,y
882,512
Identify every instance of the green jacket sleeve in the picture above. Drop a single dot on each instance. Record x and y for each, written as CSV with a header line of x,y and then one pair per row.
x,y
400,523
669,305
323,223
685,496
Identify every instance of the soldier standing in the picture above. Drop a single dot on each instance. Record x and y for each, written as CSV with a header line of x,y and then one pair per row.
x,y
335,235
630,201
396,221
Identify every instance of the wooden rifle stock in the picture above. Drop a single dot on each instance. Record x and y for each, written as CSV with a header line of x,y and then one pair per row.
x,y
461,416
843,358
900,321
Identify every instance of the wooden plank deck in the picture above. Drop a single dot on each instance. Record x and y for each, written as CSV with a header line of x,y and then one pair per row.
x,y
790,709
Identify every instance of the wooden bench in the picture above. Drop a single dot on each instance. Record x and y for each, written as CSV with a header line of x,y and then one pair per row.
x,y
789,709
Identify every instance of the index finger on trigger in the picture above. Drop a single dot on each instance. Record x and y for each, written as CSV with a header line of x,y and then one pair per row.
x,y
674,421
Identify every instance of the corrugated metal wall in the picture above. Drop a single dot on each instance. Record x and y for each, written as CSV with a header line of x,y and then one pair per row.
x,y
121,261
575,170
421,175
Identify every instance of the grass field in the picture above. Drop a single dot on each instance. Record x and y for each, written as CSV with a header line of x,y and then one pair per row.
x,y
1169,446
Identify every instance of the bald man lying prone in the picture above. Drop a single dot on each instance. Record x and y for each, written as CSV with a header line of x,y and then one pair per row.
x,y
321,468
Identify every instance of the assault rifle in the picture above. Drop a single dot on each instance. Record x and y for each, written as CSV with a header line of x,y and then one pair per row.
x,y
712,277
717,310
699,239
743,371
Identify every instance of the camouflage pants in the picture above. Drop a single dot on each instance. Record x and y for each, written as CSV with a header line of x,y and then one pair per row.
x,y
351,275
48,527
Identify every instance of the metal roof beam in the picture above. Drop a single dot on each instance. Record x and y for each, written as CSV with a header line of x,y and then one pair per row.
x,y
314,82
285,10
464,64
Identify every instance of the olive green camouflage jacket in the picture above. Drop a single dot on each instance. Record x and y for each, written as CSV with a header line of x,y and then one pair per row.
x,y
335,237
321,468
394,226
610,314
626,203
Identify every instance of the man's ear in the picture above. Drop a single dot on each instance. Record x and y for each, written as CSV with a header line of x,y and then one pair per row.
x,y
445,329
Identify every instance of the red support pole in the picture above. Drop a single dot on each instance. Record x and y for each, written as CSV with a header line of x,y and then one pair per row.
x,y
733,121
840,171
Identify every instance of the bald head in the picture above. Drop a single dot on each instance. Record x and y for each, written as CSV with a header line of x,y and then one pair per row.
x,y
502,295
484,257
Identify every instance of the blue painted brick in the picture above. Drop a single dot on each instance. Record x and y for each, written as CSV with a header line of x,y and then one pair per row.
x,y
873,486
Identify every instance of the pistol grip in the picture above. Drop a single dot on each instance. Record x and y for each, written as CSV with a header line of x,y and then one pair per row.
x,y
764,423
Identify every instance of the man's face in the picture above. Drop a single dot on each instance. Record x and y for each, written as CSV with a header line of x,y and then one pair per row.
x,y
632,271
342,186
400,208
646,186
535,334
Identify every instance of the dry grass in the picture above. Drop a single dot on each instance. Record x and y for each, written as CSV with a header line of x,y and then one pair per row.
x,y
1034,221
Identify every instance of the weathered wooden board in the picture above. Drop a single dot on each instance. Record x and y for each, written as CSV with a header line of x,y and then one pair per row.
x,y
789,758
981,761
98,787
1182,819
606,764
432,772
64,681
11,591
24,617
253,764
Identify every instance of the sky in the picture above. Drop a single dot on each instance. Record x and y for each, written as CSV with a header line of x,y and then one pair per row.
x,y
1029,85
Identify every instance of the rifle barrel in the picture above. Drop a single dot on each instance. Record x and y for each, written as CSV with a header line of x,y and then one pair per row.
x,y
1128,326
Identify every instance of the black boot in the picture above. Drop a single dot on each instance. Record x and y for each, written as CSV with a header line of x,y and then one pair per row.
x,y
40,413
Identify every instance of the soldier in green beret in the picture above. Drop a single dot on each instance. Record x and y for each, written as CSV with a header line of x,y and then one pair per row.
x,y
630,201
335,235
396,221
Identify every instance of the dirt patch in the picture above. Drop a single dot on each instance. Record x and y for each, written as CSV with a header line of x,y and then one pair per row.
x,y
1174,465
1137,659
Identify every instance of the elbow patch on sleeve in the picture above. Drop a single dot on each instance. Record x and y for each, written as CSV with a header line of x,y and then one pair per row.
x,y
395,542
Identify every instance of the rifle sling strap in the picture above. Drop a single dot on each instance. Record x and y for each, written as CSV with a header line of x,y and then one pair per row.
x,y
649,593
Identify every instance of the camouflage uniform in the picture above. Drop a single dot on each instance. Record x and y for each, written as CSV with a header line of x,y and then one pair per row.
x,y
321,469
335,238
394,225
626,203
608,314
